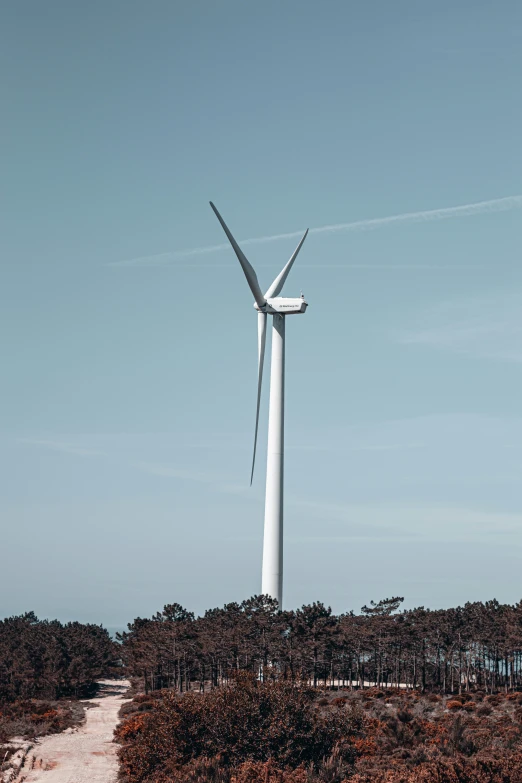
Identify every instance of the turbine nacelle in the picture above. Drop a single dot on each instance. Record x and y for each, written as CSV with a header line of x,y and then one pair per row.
x,y
283,305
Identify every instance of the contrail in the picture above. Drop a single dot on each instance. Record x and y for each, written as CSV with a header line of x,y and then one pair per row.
x,y
427,215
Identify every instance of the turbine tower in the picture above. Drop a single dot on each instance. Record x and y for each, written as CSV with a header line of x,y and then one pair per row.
x,y
278,307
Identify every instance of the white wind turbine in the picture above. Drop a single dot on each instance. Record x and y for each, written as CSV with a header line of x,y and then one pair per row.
x,y
278,307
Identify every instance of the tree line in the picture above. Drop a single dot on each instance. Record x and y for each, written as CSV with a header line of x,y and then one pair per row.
x,y
48,659
477,646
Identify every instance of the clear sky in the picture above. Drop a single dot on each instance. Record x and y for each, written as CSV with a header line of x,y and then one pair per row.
x,y
128,368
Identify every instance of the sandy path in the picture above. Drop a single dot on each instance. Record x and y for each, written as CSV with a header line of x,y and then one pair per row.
x,y
86,754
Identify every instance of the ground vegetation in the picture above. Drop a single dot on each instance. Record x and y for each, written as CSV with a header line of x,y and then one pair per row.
x,y
250,731
249,694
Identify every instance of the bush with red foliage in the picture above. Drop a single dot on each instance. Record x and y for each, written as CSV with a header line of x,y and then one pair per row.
x,y
33,717
250,722
415,739
278,733
486,769
454,704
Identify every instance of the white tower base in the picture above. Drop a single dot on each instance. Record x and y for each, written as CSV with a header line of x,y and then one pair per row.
x,y
272,576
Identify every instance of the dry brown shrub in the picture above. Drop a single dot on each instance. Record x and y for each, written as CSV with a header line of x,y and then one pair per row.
x,y
407,738
35,717
454,704
250,721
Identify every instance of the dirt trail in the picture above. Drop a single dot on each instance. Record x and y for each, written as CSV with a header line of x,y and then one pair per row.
x,y
82,755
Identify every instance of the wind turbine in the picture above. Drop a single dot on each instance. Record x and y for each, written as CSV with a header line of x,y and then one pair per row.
x,y
278,307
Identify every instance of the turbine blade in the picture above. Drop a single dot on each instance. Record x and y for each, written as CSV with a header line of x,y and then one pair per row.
x,y
247,267
280,280
261,339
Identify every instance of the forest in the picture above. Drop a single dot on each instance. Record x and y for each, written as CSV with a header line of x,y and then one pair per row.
x,y
447,650
43,661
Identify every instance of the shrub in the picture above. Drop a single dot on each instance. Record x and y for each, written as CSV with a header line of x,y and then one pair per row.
x,y
454,704
248,722
31,717
141,703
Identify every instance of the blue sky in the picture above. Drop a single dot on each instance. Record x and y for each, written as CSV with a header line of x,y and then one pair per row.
x,y
129,362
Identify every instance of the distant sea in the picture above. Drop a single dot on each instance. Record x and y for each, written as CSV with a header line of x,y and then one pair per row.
x,y
114,629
